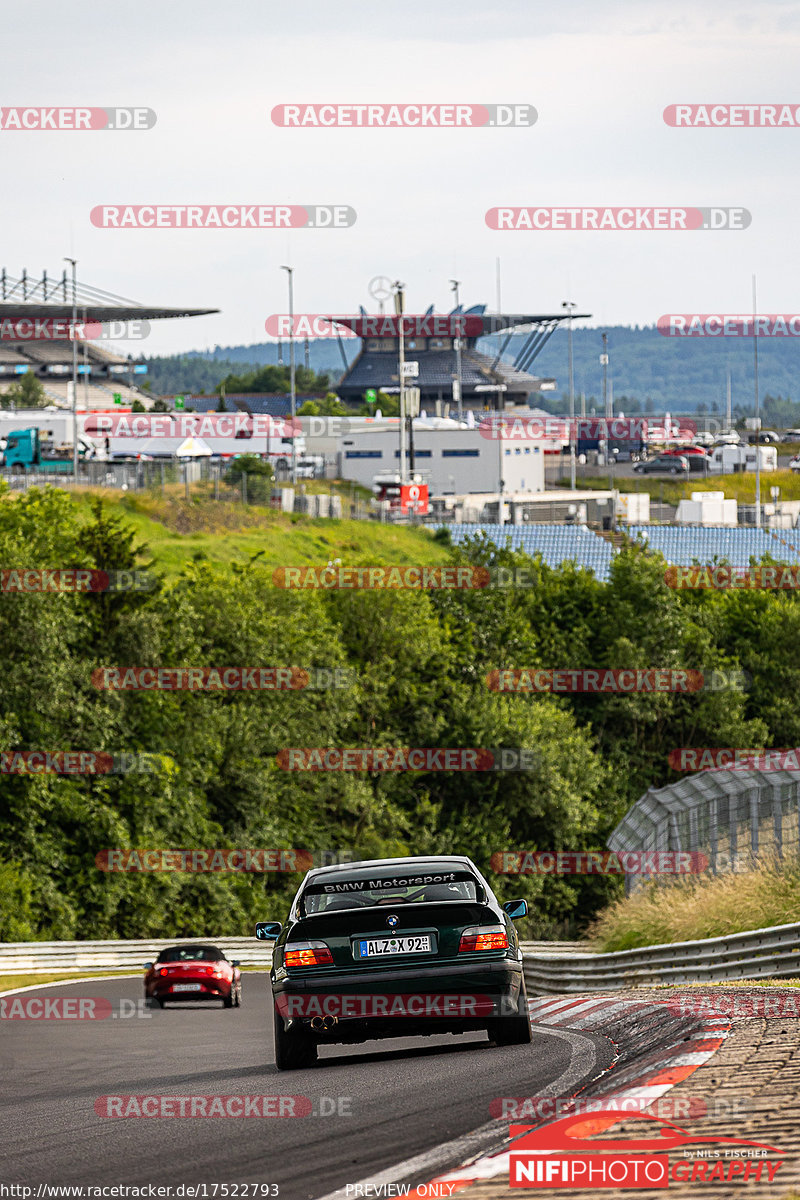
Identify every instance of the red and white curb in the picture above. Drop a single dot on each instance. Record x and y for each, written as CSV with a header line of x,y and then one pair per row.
x,y
636,1084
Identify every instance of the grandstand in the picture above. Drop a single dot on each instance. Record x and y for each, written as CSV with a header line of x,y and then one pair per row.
x,y
487,380
555,543
50,301
682,545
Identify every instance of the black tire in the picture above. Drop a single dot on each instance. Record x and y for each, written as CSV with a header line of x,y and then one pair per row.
x,y
675,470
513,1031
294,1048
238,1000
227,1001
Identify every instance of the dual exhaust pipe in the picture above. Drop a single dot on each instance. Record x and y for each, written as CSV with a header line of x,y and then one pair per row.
x,y
327,1022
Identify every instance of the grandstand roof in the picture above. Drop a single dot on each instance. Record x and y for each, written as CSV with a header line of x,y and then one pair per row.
x,y
51,299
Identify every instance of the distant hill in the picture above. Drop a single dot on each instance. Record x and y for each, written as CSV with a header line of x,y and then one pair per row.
x,y
647,372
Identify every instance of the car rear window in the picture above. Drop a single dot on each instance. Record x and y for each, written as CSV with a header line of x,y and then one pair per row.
x,y
190,954
420,887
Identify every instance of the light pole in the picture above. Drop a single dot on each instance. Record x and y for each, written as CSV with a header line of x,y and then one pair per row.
x,y
399,305
293,393
758,411
454,288
569,305
74,262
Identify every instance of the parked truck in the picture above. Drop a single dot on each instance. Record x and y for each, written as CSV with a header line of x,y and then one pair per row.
x,y
26,450
621,439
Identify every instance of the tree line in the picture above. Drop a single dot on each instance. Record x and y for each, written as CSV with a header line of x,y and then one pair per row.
x,y
416,664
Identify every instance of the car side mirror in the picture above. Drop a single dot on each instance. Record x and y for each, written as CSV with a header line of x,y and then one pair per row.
x,y
236,963
516,909
148,966
267,931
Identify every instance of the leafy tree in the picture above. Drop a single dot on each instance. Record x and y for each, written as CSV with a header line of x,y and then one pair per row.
x,y
25,392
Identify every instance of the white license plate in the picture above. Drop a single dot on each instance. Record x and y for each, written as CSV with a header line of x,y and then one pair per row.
x,y
187,987
380,947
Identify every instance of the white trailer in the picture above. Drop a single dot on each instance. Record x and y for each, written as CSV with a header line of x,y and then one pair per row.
x,y
727,460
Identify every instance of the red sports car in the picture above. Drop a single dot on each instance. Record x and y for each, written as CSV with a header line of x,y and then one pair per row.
x,y
193,973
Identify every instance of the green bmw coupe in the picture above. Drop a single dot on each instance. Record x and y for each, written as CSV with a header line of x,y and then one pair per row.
x,y
395,948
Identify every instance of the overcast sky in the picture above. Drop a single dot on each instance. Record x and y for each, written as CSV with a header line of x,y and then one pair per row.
x,y
598,72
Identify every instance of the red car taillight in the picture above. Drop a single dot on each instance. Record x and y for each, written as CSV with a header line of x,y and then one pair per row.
x,y
164,971
308,954
484,937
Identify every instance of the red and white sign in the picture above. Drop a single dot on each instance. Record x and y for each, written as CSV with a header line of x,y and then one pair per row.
x,y
414,498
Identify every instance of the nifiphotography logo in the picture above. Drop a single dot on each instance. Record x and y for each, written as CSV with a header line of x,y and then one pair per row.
x,y
563,1154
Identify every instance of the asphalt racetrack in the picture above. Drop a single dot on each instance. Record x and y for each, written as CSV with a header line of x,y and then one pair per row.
x,y
373,1106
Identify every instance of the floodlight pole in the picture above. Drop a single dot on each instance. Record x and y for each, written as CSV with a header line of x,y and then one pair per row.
x,y
758,411
569,305
74,263
399,306
292,388
454,288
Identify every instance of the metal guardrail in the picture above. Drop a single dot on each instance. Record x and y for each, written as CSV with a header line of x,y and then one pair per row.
x,y
760,953
551,968
20,958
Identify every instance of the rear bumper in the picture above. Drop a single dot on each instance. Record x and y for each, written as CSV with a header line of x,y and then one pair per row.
x,y
456,997
206,992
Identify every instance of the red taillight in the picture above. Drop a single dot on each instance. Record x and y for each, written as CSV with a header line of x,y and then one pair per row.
x,y
308,954
164,971
484,937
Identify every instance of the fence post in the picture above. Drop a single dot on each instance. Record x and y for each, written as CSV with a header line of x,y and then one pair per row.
x,y
244,487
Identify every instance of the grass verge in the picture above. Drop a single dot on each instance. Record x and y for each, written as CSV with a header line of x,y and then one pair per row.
x,y
686,909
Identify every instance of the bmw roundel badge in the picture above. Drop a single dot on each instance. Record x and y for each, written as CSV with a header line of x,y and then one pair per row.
x,y
392,921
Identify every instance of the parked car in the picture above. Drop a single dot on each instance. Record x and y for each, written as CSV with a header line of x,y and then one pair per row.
x,y
729,438
791,435
397,947
675,464
794,463
767,437
696,455
200,972
704,438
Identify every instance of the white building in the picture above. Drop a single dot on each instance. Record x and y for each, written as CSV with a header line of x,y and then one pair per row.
x,y
451,458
